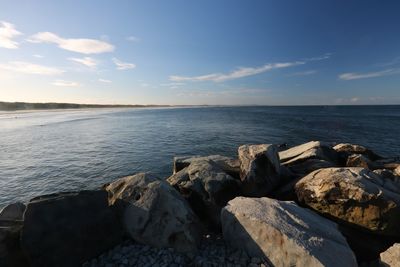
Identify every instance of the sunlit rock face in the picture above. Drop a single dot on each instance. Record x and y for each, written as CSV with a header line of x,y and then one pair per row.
x,y
284,234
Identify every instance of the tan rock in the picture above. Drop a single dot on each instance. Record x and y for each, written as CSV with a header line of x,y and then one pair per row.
x,y
355,195
391,257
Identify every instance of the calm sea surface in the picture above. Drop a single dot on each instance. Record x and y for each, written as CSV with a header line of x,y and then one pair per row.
x,y
45,152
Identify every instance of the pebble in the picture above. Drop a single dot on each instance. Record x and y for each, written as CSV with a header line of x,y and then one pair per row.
x,y
212,252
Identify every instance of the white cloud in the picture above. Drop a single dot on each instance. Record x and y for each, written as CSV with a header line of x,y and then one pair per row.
x,y
30,68
133,38
104,81
87,61
123,65
304,73
7,34
323,57
354,99
65,83
37,56
356,76
81,45
238,73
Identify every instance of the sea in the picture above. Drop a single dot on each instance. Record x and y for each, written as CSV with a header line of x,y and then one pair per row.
x,y
45,152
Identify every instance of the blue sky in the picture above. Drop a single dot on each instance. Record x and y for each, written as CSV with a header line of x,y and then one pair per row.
x,y
201,52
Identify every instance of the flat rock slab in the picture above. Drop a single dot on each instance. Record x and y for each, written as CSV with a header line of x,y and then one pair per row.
x,y
354,195
391,257
284,234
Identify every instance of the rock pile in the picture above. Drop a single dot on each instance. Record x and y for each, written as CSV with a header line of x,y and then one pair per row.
x,y
316,204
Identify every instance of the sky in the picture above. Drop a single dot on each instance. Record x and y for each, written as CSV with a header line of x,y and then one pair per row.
x,y
215,52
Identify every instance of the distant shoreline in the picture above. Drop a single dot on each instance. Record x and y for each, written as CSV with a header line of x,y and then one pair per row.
x,y
46,106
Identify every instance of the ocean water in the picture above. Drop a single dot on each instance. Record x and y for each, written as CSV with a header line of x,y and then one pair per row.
x,y
50,151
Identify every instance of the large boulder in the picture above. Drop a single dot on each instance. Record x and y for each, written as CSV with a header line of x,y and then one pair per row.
x,y
67,229
207,187
391,257
13,211
355,196
284,234
259,169
11,254
227,164
154,213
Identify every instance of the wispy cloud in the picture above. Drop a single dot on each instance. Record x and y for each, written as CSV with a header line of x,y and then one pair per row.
x,y
123,65
80,45
245,71
7,34
65,83
37,56
238,73
355,76
87,61
133,39
30,68
303,73
104,81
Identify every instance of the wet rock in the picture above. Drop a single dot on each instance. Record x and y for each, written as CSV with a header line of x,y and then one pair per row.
x,y
391,257
155,213
66,229
284,234
355,196
207,187
359,160
259,169
14,211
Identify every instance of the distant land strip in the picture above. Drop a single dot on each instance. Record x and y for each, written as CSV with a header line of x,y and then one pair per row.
x,y
13,106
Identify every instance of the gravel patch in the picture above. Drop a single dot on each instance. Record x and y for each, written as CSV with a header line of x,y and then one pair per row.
x,y
212,252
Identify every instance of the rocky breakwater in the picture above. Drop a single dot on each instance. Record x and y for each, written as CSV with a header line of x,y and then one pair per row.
x,y
316,204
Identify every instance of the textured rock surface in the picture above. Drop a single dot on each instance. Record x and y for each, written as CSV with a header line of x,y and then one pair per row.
x,y
155,213
14,211
348,149
66,229
228,165
284,233
207,187
359,160
259,169
391,257
354,195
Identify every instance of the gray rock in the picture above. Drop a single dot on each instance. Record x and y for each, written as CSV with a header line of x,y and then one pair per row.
x,y
313,149
228,165
284,234
67,229
155,213
207,187
12,212
11,254
391,257
355,195
259,169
